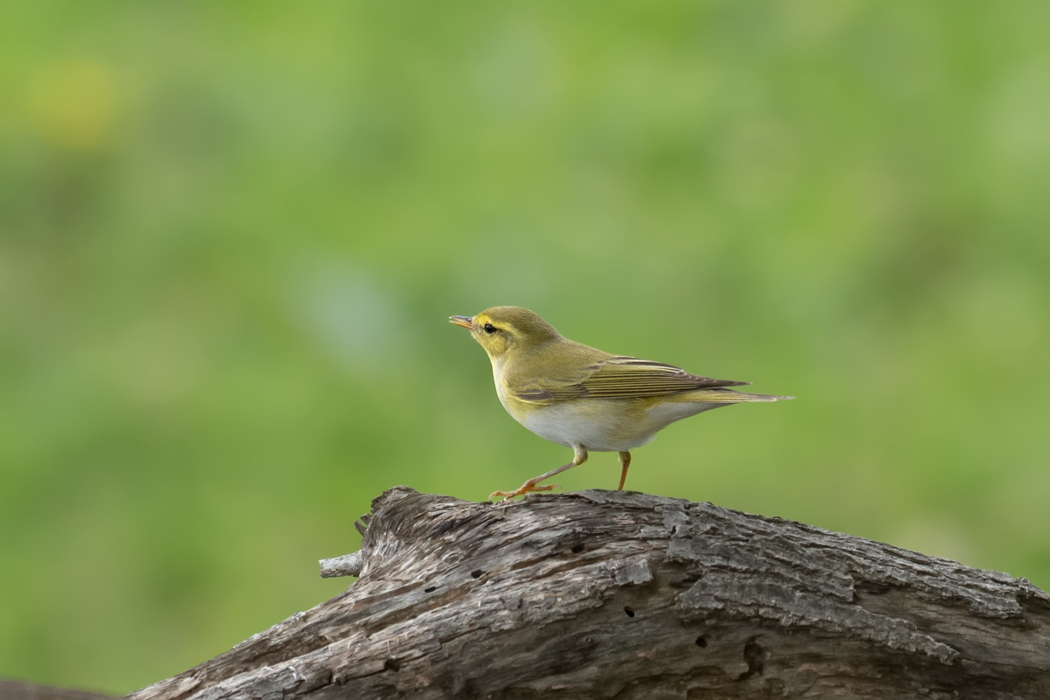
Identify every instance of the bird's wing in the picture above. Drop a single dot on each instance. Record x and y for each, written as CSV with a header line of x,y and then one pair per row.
x,y
624,377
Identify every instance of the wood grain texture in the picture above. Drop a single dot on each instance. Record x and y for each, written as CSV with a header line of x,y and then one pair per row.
x,y
604,594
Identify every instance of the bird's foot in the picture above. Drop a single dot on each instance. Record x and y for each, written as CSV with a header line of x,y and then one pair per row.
x,y
524,489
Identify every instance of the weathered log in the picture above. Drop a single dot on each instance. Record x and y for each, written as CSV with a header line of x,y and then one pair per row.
x,y
603,594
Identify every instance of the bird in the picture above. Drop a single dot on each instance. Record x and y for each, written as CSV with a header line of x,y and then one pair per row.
x,y
583,398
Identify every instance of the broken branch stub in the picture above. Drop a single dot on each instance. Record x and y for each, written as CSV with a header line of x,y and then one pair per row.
x,y
609,594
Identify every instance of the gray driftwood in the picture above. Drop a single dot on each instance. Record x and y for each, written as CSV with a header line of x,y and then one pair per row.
x,y
602,594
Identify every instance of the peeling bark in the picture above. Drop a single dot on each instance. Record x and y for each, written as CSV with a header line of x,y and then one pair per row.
x,y
603,594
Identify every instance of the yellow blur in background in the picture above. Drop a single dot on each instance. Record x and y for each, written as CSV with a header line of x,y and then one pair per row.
x,y
231,235
72,105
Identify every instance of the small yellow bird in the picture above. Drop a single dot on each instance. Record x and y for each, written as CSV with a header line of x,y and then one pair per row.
x,y
584,398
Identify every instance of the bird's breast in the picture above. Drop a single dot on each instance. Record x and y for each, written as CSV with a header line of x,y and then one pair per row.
x,y
514,407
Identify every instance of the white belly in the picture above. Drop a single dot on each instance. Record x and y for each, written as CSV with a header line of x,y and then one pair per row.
x,y
612,427
567,425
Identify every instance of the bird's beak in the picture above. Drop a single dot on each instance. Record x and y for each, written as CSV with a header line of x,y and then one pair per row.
x,y
464,321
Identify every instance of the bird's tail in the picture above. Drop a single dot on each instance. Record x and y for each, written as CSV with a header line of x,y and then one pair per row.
x,y
730,396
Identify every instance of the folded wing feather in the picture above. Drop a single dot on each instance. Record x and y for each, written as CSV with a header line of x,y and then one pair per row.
x,y
623,377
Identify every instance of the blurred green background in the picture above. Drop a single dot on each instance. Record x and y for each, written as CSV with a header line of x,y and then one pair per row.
x,y
231,235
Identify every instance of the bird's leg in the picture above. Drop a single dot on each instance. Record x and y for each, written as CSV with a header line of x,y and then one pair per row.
x,y
578,458
625,461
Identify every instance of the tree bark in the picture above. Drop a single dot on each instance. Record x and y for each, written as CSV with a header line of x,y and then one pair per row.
x,y
604,594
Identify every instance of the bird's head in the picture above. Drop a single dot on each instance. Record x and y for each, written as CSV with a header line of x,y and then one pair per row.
x,y
507,330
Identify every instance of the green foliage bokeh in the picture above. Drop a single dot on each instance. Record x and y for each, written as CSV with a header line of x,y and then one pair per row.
x,y
231,235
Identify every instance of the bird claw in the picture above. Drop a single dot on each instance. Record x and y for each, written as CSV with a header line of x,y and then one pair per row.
x,y
525,488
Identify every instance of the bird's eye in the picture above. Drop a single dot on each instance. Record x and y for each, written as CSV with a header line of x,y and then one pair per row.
x,y
489,328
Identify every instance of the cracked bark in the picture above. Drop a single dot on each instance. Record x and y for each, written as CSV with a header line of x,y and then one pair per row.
x,y
601,594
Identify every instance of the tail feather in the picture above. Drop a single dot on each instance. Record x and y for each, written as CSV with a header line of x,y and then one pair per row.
x,y
730,396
